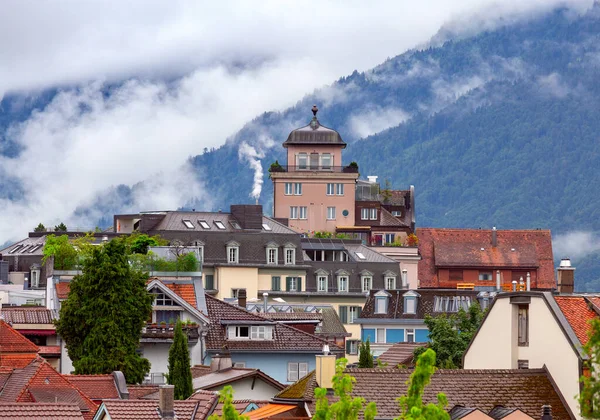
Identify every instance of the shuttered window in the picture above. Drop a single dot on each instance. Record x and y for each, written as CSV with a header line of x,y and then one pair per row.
x,y
276,283
343,312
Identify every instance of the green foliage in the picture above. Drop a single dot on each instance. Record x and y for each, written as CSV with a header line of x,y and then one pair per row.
x,y
101,320
180,373
184,262
322,235
40,228
450,335
381,364
346,407
140,242
386,193
365,357
64,253
411,405
60,228
229,412
589,397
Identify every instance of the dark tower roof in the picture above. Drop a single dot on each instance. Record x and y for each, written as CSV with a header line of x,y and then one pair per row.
x,y
314,133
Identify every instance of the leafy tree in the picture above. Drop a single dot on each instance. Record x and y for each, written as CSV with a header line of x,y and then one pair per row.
x,y
101,321
141,243
180,373
589,397
411,405
346,407
365,357
450,335
64,253
40,228
386,193
229,412
60,228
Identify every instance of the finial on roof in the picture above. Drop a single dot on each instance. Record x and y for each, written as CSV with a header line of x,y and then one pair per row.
x,y
315,110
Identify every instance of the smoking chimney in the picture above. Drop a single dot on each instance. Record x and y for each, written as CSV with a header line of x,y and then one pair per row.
x,y
565,276
166,401
494,237
242,298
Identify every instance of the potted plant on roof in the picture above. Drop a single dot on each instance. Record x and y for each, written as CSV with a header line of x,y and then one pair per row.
x,y
351,168
276,167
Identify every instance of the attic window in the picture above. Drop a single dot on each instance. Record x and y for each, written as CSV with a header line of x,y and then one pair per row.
x,y
219,225
235,225
360,255
188,224
203,224
15,249
24,249
266,227
34,248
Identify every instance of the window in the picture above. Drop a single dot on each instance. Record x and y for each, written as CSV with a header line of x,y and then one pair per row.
x,y
410,335
276,283
364,214
343,313
485,275
381,305
266,227
235,225
302,212
288,188
367,283
188,224
339,189
290,256
373,214
353,313
240,332
293,212
456,275
203,224
523,364
232,254
297,188
15,249
271,255
330,189
219,225
380,336
352,346
396,213
168,317
34,248
293,284
302,160
209,281
342,283
261,332
330,213
160,299
326,161
410,305
451,303
314,161
321,283
296,371
390,283
389,238
234,293
360,255
239,365
523,321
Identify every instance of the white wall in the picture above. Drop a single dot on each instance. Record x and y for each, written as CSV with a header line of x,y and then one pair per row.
x,y
242,389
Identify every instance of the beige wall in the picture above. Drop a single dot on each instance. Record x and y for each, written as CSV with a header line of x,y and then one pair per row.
x,y
495,346
336,153
265,274
227,278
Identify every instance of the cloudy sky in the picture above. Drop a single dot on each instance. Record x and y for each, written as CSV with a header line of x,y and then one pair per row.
x,y
189,74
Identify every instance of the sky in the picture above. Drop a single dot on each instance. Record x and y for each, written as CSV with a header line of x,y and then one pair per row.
x,y
188,74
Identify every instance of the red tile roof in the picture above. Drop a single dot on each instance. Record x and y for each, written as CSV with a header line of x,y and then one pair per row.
x,y
142,409
207,401
399,354
62,290
51,351
200,370
11,341
462,248
138,392
186,291
28,315
39,411
97,387
16,361
578,312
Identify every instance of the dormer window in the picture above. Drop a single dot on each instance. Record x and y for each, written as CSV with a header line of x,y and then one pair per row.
x,y
160,299
381,302
272,254
410,302
342,280
290,254
366,280
250,332
233,252
322,277
389,280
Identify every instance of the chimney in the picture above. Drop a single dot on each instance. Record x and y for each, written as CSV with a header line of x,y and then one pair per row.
x,y
241,298
565,276
248,216
546,412
528,281
266,301
372,178
514,283
494,237
221,362
166,401
325,368
405,279
498,281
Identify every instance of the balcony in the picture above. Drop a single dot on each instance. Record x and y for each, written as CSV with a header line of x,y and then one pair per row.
x,y
163,333
349,169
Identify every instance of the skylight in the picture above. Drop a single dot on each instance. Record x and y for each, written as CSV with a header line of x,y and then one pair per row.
x,y
219,225
266,227
188,224
235,225
360,255
15,249
34,248
203,224
25,248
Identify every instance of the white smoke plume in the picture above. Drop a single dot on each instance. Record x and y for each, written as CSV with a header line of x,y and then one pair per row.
x,y
253,157
576,244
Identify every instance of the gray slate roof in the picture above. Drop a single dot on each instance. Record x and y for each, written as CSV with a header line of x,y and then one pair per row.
x,y
314,134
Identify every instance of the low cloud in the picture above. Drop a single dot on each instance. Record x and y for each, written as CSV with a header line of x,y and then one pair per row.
x,y
553,84
576,244
376,120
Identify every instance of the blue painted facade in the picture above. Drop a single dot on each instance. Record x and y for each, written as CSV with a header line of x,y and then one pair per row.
x,y
394,334
368,333
422,336
273,364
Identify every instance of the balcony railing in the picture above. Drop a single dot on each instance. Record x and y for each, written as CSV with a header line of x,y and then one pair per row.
x,y
314,168
167,331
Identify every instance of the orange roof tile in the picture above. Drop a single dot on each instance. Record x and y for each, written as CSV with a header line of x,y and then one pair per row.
x,y
16,361
186,291
11,341
97,387
62,290
578,313
270,410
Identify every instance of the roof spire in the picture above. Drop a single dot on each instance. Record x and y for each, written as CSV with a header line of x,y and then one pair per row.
x,y
315,110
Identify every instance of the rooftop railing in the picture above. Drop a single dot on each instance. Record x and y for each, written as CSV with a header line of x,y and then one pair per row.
x,y
349,169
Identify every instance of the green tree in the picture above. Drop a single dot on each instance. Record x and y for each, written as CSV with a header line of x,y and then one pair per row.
x,y
411,405
365,357
229,412
64,253
101,320
180,373
60,228
450,335
40,228
140,242
346,407
589,397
